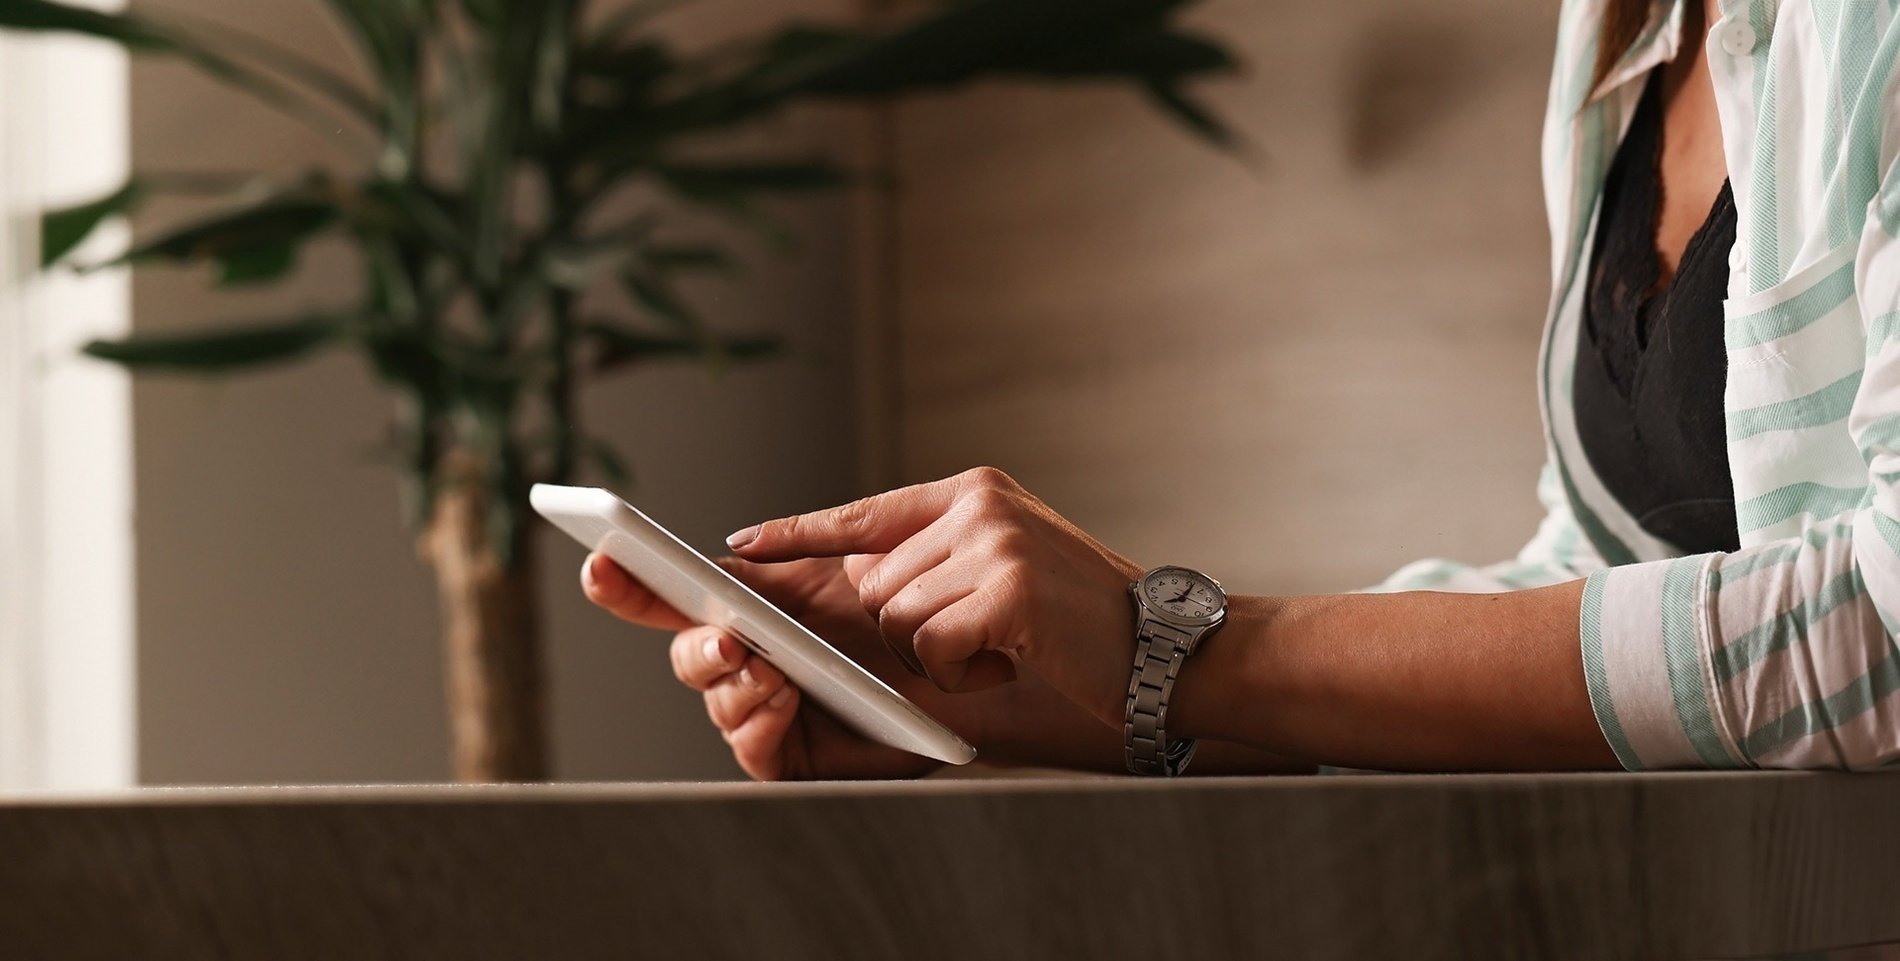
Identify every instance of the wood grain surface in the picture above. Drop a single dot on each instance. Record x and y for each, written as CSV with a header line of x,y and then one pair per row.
x,y
1590,866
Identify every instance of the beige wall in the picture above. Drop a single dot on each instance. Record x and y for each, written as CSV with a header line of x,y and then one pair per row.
x,y
1299,372
287,632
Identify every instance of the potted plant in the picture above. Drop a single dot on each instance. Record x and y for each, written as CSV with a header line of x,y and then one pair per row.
x,y
506,135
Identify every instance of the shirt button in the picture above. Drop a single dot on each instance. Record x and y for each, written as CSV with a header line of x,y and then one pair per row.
x,y
1735,259
1738,39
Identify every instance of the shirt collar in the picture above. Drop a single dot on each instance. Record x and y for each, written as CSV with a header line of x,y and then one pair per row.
x,y
1658,43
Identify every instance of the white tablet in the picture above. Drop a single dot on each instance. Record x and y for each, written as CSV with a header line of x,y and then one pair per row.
x,y
701,590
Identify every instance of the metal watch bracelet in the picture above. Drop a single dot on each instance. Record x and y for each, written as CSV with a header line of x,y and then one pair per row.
x,y
1160,651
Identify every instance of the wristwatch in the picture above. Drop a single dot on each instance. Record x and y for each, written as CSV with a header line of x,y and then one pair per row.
x,y
1176,608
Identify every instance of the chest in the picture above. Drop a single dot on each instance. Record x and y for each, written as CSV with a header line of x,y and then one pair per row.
x,y
1691,165
1788,102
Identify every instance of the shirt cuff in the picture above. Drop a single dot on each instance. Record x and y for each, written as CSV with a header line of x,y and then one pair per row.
x,y
1647,635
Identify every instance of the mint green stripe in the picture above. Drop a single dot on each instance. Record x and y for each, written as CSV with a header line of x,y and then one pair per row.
x,y
1858,97
1589,145
1882,330
1767,267
1824,406
1889,530
1828,713
1813,539
1861,173
1614,552
1887,207
1597,678
1794,314
1817,500
1785,629
1773,557
1682,653
1881,436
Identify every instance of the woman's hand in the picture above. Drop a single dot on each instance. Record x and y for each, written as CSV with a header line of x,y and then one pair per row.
x,y
773,734
791,739
978,578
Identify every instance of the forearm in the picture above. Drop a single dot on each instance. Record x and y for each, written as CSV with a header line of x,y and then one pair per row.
x,y
1416,681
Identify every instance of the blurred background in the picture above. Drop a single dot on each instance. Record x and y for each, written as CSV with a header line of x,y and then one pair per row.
x,y
1297,369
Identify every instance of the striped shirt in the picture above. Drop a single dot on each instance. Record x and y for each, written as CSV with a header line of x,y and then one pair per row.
x,y
1780,654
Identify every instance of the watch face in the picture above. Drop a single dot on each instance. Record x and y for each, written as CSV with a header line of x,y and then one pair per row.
x,y
1177,591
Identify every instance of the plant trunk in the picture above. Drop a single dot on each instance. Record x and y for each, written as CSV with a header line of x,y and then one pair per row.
x,y
491,644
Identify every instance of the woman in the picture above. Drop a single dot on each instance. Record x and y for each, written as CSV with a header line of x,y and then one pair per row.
x,y
1717,579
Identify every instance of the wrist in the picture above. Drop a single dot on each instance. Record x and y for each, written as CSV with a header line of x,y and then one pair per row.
x,y
1228,678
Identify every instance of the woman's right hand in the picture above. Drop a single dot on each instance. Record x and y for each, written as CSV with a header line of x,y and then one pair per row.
x,y
776,735
773,733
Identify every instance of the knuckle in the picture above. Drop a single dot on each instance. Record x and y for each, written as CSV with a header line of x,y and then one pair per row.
x,y
987,478
987,503
891,620
783,528
929,637
857,514
1009,542
871,591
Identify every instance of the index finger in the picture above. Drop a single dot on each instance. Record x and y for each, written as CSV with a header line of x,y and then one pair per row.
x,y
873,525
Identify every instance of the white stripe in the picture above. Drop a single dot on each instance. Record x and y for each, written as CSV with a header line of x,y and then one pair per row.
x,y
1637,670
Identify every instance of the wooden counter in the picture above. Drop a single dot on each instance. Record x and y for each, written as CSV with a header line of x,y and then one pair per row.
x,y
1590,866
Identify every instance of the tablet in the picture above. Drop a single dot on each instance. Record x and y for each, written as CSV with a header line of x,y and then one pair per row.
x,y
703,591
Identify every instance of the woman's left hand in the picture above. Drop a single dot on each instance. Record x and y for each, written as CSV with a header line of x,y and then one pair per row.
x,y
977,578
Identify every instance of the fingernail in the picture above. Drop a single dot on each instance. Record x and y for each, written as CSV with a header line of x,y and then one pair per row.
x,y
780,696
748,678
743,537
587,573
714,652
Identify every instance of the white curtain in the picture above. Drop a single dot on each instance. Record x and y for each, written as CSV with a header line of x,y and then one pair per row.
x,y
67,685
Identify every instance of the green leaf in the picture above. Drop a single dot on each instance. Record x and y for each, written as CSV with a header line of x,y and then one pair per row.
x,y
953,44
125,29
668,258
250,244
385,32
256,266
223,350
404,358
1128,38
144,35
389,35
618,346
615,26
660,299
62,231
700,180
415,211
1138,53
1195,117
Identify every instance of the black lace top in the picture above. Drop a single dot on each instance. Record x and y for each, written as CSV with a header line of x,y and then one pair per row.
x,y
1651,365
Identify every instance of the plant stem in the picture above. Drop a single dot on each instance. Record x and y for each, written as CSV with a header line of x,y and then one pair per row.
x,y
491,634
